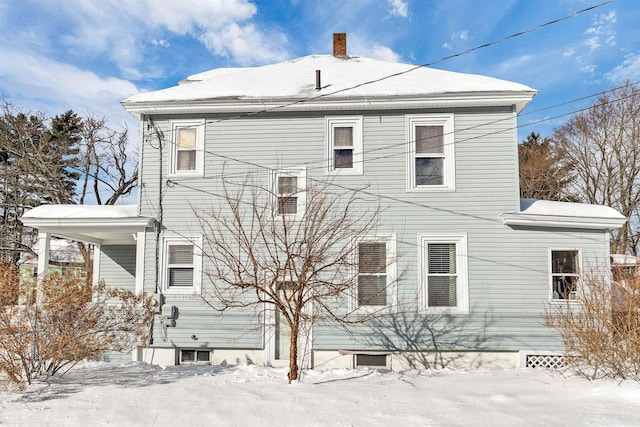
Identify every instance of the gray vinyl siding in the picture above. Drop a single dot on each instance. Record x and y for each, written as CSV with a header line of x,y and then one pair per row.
x,y
118,266
508,267
118,269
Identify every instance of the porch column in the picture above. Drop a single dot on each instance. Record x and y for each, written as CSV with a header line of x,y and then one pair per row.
x,y
140,238
44,246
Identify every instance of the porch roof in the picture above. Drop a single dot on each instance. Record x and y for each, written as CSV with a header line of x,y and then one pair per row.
x,y
546,213
89,223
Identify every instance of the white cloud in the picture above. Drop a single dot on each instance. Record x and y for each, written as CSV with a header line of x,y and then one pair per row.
x,y
568,52
119,29
364,47
593,42
601,31
628,70
398,8
32,78
246,44
160,43
590,69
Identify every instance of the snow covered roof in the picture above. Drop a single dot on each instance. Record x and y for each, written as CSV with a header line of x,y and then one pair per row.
x,y
90,223
82,211
546,213
342,78
624,260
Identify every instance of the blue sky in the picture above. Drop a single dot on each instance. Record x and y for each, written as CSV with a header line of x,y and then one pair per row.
x,y
88,55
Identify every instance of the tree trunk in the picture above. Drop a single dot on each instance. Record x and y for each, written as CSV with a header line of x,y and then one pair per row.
x,y
293,353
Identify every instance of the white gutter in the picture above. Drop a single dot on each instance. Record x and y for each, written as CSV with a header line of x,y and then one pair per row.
x,y
244,105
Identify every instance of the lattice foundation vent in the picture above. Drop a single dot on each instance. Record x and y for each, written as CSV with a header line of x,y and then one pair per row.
x,y
545,361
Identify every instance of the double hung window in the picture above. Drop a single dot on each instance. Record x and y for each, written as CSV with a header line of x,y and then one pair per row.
x,y
376,280
344,145
444,273
187,147
565,265
290,192
430,162
181,266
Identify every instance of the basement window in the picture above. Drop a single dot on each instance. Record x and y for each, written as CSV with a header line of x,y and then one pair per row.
x,y
375,361
189,356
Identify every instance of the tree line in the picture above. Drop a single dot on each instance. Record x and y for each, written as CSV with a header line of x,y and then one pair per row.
x,y
592,158
65,159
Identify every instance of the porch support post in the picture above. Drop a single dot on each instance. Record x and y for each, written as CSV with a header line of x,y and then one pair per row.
x,y
44,246
140,248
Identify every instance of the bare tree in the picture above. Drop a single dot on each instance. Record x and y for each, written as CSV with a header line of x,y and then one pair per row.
x,y
265,247
601,147
600,326
542,175
108,171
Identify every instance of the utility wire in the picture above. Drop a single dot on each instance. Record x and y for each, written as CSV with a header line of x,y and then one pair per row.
x,y
427,64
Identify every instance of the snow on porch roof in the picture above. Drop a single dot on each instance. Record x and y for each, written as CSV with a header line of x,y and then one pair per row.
x,y
296,79
547,213
82,211
90,223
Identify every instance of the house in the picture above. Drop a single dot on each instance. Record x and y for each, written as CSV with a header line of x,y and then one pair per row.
x,y
479,266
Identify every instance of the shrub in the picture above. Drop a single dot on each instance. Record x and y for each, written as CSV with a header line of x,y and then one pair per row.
x,y
69,321
600,328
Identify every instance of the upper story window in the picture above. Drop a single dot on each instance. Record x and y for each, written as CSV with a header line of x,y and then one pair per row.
x,y
344,145
182,260
565,273
187,147
376,279
290,187
430,148
443,264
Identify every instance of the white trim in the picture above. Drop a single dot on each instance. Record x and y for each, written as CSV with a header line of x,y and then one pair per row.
x,y
44,250
355,122
577,274
360,102
140,251
462,272
97,254
300,173
197,265
199,126
391,273
536,220
448,140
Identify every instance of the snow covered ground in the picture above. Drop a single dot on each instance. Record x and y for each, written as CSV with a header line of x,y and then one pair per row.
x,y
136,394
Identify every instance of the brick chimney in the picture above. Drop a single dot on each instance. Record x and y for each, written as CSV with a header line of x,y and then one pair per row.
x,y
340,44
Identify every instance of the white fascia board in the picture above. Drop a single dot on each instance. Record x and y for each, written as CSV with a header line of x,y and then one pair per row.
x,y
322,103
562,221
123,224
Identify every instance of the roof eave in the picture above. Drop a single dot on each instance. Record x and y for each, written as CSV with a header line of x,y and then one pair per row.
x,y
128,223
522,219
328,103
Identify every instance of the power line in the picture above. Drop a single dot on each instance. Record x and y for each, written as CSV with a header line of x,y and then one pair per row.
x,y
427,64
322,163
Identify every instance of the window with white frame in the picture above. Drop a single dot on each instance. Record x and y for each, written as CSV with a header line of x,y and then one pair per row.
x,y
376,281
444,273
344,145
430,147
187,148
290,192
565,273
182,262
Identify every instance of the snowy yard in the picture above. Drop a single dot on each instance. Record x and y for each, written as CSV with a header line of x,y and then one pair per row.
x,y
136,394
